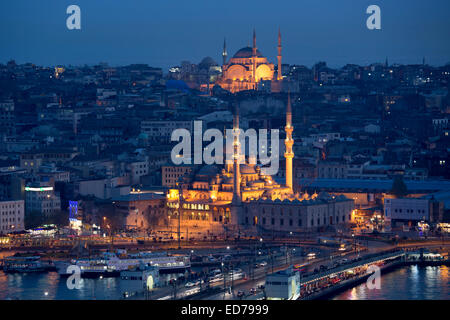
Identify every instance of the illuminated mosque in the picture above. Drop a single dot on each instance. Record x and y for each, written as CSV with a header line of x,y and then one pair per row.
x,y
248,67
238,197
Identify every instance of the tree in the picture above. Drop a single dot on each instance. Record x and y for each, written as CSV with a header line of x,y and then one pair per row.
x,y
33,219
399,188
59,218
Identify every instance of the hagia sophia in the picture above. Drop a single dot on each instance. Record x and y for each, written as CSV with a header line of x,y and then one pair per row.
x,y
238,198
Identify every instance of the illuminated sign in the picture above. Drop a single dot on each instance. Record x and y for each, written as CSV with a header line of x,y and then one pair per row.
x,y
73,210
38,189
74,222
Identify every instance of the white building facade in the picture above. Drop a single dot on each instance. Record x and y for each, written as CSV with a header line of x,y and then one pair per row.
x,y
406,210
283,285
12,216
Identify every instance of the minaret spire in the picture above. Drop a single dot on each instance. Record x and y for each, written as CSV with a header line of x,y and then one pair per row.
x,y
224,52
279,74
236,158
289,142
254,58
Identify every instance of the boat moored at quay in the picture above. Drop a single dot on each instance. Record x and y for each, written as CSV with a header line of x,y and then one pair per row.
x,y
110,265
30,264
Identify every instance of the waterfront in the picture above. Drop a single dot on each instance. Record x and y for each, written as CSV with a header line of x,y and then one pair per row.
x,y
49,286
406,283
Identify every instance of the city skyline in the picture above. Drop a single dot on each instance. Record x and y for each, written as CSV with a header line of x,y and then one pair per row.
x,y
240,151
163,35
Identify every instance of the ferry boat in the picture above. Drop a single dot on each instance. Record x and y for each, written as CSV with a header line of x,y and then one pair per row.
x,y
89,268
110,265
32,264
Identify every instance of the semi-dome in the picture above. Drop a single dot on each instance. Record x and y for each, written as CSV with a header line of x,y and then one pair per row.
x,y
246,169
246,52
208,170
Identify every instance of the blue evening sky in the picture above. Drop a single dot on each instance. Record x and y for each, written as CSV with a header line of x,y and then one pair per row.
x,y
165,32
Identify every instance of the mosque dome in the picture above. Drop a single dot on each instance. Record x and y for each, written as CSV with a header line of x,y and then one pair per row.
x,y
246,52
246,169
207,62
208,170
227,180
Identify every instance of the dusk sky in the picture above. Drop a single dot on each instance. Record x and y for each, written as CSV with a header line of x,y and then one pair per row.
x,y
162,33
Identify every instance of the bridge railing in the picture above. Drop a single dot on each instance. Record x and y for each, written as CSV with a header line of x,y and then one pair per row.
x,y
337,270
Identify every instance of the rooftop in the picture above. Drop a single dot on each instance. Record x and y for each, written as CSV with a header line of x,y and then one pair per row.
x,y
367,185
139,197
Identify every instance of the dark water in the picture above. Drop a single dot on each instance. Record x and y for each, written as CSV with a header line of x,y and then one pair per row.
x,y
408,283
405,283
49,286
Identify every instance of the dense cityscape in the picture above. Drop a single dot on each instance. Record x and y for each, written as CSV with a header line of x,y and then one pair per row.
x,y
236,177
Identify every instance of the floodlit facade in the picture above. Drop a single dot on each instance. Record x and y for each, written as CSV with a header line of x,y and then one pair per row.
x,y
239,198
247,68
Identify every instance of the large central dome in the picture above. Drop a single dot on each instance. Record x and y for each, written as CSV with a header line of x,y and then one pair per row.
x,y
246,52
247,68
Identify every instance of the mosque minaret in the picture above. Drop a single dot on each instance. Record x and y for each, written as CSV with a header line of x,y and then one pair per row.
x,y
279,74
238,198
224,52
289,142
